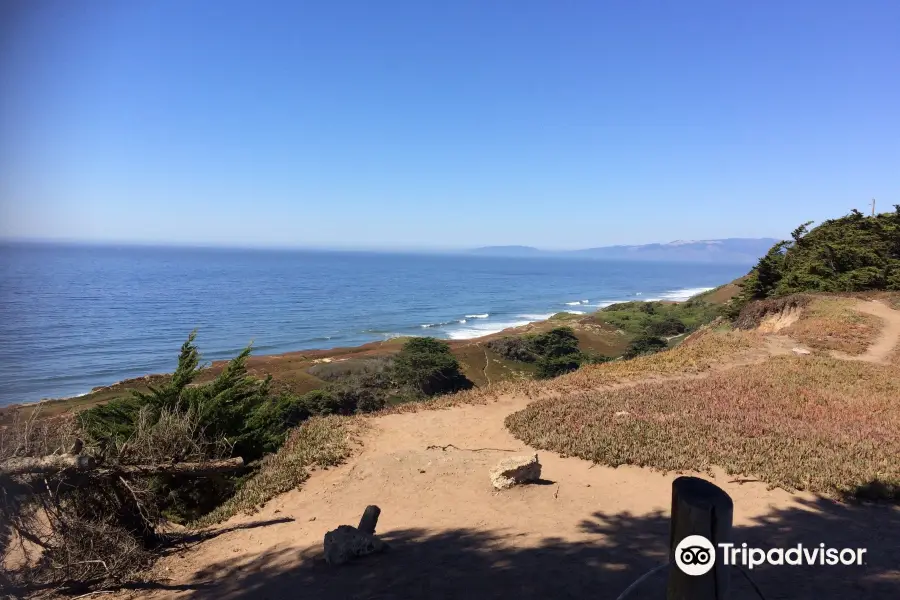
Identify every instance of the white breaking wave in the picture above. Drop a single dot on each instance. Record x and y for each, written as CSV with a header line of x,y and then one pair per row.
x,y
575,312
577,302
481,316
682,295
536,317
429,325
605,303
475,330
461,321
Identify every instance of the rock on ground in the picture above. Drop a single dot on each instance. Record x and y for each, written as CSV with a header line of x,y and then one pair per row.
x,y
515,470
346,542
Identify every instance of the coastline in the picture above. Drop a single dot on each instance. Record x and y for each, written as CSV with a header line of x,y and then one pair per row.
x,y
267,362
317,354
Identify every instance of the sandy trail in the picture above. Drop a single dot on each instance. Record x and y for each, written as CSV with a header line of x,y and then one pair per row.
x,y
880,351
585,531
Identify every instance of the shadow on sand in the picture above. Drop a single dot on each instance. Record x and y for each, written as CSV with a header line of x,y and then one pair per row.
x,y
620,548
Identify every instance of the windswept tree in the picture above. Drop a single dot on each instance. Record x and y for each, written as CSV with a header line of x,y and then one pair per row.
x,y
850,254
426,367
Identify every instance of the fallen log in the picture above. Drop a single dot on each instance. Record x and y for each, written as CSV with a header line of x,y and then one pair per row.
x,y
187,468
47,464
61,462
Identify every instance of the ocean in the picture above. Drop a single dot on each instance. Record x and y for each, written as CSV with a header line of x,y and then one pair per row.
x,y
76,317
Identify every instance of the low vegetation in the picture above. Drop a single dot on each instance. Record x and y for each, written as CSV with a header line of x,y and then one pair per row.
x,y
554,353
645,344
833,324
319,442
698,353
102,526
659,319
814,424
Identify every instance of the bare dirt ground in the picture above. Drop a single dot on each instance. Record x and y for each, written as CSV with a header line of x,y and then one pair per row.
x,y
584,531
880,351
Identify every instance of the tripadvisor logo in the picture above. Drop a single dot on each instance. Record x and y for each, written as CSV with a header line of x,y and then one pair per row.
x,y
696,555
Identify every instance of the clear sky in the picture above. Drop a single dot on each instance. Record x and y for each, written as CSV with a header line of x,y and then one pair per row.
x,y
443,124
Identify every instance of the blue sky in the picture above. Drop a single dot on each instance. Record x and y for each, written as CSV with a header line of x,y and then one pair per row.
x,y
443,124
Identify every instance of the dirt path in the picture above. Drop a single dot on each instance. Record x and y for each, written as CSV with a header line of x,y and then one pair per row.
x,y
584,531
487,364
880,351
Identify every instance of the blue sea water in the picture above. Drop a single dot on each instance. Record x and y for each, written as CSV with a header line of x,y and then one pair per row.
x,y
76,317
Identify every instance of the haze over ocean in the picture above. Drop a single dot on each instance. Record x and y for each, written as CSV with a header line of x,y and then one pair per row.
x,y
77,317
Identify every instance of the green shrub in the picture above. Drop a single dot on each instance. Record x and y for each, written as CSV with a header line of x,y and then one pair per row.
x,y
342,370
554,352
668,326
512,348
271,421
591,357
646,344
425,367
224,406
554,366
354,397
560,341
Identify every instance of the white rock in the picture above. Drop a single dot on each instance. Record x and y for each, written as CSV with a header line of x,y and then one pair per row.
x,y
800,351
515,470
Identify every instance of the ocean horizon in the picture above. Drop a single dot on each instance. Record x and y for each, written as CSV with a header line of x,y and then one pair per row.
x,y
79,316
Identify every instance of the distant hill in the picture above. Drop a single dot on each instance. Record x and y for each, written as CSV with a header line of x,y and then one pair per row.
x,y
726,251
513,251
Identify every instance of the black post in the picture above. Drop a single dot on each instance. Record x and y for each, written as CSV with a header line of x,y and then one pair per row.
x,y
699,508
369,520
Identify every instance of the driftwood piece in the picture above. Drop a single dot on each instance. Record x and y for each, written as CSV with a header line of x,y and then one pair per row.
x,y
46,464
61,462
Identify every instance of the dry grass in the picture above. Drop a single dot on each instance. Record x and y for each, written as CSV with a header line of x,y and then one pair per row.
x,y
318,442
834,324
700,352
30,433
816,424
696,354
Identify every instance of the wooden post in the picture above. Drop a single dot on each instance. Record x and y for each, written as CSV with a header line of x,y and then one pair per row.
x,y
699,508
369,519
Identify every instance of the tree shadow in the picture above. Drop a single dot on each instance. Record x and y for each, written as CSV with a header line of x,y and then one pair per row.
x,y
182,541
614,551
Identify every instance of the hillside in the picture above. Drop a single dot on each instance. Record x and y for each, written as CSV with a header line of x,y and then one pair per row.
x,y
792,408
851,254
609,437
723,251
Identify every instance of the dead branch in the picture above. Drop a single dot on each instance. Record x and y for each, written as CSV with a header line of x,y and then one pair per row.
x,y
46,464
444,448
61,462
